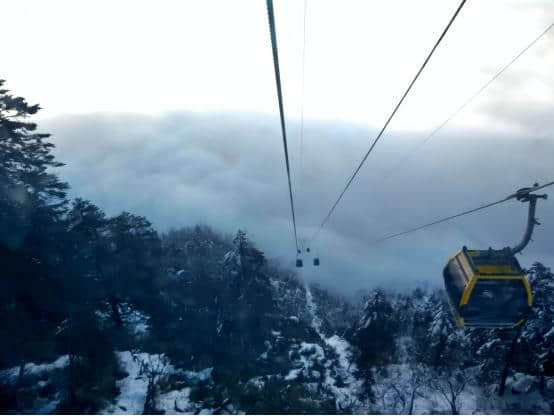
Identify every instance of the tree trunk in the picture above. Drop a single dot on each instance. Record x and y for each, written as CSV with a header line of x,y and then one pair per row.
x,y
542,383
453,408
508,363
453,402
72,397
412,399
149,402
116,315
18,385
20,374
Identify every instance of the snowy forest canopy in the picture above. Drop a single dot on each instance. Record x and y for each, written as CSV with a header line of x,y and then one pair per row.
x,y
103,314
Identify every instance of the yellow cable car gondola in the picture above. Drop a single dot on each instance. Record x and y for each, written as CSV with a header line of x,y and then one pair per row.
x,y
488,288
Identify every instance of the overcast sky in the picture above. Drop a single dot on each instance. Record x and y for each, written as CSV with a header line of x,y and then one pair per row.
x,y
168,109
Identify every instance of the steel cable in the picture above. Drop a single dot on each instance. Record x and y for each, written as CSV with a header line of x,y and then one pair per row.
x,y
272,32
461,214
376,140
403,160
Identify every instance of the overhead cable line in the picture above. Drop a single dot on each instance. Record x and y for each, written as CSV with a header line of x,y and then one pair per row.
x,y
302,91
349,182
272,32
518,194
466,103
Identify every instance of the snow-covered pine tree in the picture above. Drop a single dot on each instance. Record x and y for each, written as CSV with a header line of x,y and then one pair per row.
x,y
448,354
537,336
376,330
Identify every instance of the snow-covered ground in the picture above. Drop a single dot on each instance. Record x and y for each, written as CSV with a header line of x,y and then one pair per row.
x,y
310,355
133,388
176,401
522,394
347,390
325,366
42,374
10,374
141,367
395,387
399,384
134,320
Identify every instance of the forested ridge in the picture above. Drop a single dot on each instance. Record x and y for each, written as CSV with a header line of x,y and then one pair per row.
x,y
103,314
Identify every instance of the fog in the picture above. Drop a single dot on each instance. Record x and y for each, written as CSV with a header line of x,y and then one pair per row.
x,y
227,170
200,142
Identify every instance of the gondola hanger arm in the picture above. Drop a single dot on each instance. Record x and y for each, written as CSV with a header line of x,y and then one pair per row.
x,y
525,195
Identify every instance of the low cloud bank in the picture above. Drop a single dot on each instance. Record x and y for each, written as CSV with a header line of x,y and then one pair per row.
x,y
227,171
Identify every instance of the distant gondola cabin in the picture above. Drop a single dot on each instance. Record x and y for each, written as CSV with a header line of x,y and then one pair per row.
x,y
487,289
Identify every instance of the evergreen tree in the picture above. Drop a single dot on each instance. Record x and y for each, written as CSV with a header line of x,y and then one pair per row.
x,y
375,332
32,205
537,336
29,193
131,263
